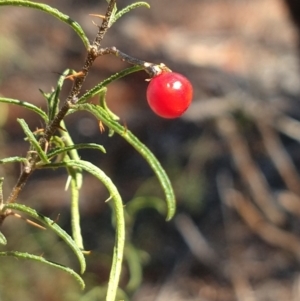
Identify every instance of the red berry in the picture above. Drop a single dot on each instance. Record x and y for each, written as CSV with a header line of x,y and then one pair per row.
x,y
169,94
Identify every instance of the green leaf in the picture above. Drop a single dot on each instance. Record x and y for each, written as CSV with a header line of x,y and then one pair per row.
x,y
72,153
25,104
75,214
52,11
112,16
115,15
99,88
75,178
3,240
27,256
13,160
65,149
119,214
160,173
53,226
53,98
103,104
35,144
128,8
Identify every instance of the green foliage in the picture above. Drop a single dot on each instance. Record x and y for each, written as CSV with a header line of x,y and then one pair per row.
x,y
52,147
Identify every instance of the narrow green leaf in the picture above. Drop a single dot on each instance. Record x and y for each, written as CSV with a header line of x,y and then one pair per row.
x,y
3,240
99,88
75,215
164,180
68,141
112,16
52,11
13,160
65,149
116,268
75,178
54,227
103,104
25,104
119,214
33,141
27,256
128,8
53,99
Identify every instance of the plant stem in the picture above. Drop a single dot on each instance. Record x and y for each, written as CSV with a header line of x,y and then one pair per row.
x,y
24,176
105,24
150,68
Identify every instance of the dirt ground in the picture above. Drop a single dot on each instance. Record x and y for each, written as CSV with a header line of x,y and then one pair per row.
x,y
233,157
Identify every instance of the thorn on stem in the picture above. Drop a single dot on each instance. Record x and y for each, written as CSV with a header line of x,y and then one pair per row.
x,y
74,75
30,222
86,252
101,127
61,128
98,16
108,199
57,219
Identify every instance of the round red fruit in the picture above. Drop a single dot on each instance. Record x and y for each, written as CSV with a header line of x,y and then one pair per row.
x,y
169,94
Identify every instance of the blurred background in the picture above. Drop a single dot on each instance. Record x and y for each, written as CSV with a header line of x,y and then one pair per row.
x,y
233,158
